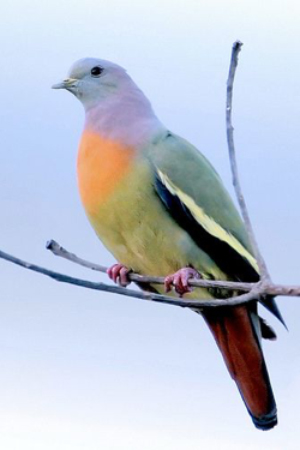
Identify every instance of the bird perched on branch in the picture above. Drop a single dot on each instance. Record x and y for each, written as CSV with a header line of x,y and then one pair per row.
x,y
161,209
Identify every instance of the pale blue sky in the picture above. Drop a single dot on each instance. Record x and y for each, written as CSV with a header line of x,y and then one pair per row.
x,y
84,370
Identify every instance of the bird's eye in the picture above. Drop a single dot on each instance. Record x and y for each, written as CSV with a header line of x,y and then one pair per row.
x,y
96,71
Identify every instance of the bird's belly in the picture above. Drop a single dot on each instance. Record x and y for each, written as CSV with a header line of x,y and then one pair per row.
x,y
135,227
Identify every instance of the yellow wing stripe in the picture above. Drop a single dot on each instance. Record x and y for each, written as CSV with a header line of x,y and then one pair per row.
x,y
207,222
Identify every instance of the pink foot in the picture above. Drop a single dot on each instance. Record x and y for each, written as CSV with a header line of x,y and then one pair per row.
x,y
180,279
119,274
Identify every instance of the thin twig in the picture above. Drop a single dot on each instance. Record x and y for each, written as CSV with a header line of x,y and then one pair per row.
x,y
268,288
256,290
264,274
60,251
149,296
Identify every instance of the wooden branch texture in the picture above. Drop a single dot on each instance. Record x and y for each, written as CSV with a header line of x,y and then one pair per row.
x,y
261,288
124,291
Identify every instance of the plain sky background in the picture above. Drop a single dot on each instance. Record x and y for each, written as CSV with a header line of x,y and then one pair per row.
x,y
81,370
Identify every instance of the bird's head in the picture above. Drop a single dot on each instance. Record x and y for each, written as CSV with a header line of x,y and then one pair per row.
x,y
94,80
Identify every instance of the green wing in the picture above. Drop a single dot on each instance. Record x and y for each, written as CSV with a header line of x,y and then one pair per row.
x,y
195,196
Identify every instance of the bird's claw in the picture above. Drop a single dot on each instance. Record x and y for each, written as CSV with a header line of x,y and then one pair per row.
x,y
119,274
179,280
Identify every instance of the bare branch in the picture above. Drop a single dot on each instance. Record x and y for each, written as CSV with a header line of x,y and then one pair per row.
x,y
149,296
268,288
58,250
256,291
264,274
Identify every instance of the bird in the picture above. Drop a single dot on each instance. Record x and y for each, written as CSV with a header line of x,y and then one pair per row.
x,y
159,206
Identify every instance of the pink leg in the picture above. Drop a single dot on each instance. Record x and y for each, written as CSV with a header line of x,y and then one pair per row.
x,y
119,274
180,279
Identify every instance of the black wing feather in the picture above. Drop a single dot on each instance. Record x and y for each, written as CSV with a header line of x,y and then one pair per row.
x,y
226,257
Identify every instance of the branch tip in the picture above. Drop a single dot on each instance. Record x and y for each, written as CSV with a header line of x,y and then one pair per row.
x,y
263,271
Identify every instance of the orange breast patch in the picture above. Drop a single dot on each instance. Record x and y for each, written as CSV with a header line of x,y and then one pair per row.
x,y
101,164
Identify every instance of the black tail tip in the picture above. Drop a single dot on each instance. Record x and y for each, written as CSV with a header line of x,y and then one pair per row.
x,y
266,422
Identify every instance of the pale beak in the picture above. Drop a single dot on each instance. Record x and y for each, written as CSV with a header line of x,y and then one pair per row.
x,y
68,83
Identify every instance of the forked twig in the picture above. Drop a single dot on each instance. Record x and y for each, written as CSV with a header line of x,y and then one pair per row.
x,y
149,296
266,289
60,251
